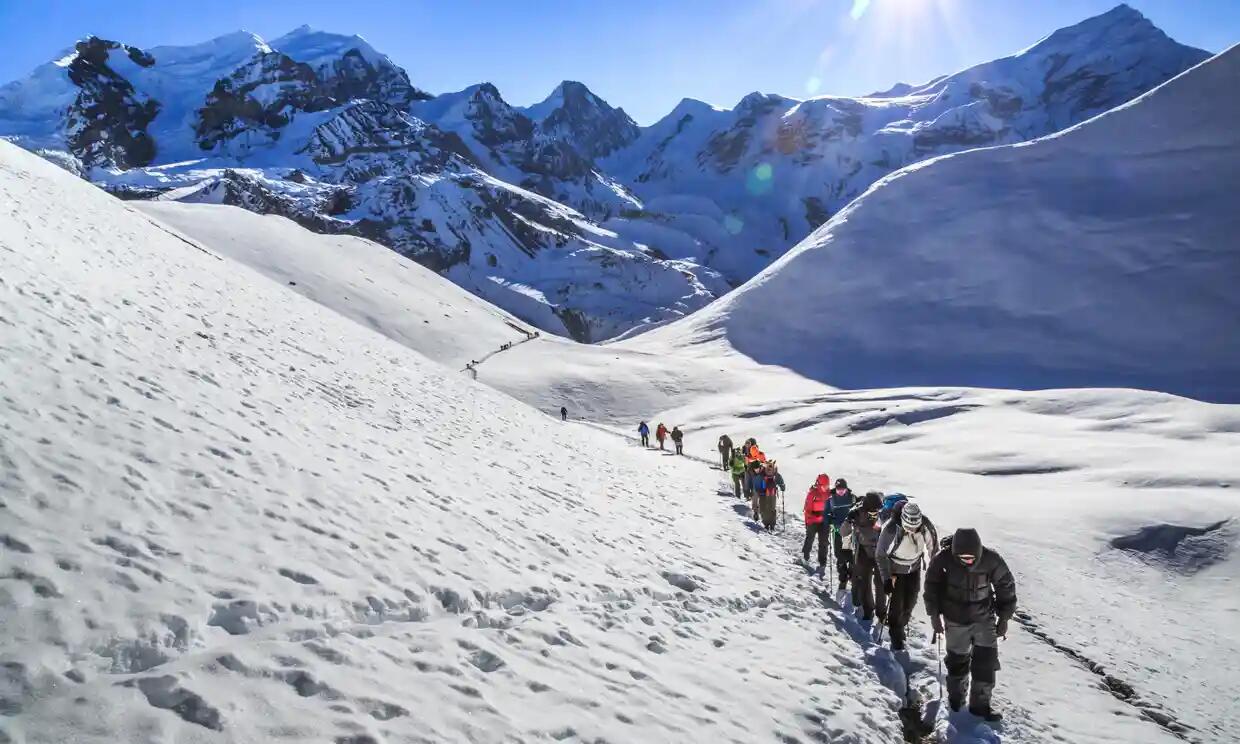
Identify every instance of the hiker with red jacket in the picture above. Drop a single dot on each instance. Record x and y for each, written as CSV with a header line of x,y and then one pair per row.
x,y
660,434
815,524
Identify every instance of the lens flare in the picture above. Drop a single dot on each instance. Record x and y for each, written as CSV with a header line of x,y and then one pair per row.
x,y
760,179
733,224
859,7
813,84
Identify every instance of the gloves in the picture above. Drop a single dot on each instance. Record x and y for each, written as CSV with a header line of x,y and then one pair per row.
x,y
1001,627
936,623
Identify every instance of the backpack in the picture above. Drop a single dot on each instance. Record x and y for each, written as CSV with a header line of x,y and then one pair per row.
x,y
892,504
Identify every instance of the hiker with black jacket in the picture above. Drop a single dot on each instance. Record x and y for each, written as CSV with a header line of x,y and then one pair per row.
x,y
970,596
867,587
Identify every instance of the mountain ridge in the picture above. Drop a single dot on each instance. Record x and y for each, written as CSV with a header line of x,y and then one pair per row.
x,y
686,208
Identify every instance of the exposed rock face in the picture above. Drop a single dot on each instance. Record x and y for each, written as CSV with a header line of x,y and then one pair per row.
x,y
107,123
260,98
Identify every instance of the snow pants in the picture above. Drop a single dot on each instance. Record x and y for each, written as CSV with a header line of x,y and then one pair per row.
x,y
971,649
645,440
901,604
843,558
661,443
768,509
819,531
724,456
738,480
867,590
680,448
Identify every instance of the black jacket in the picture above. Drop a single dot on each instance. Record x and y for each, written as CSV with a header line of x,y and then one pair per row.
x,y
865,529
969,594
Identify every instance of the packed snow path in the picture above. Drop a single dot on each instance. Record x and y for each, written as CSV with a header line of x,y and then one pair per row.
x,y
232,514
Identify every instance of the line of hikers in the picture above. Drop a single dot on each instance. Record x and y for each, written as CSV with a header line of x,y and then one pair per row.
x,y
662,434
881,544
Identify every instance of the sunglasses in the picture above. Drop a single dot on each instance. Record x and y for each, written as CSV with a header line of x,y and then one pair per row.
x,y
966,558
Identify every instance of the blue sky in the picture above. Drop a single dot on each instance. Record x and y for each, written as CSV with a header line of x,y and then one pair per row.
x,y
644,55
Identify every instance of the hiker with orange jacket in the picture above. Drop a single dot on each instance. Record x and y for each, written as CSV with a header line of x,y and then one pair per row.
x,y
815,524
660,434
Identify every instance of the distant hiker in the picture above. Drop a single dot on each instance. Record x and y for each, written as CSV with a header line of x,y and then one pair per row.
x,y
660,433
772,483
643,431
867,589
738,471
725,450
563,413
755,485
678,438
816,524
840,503
970,597
907,541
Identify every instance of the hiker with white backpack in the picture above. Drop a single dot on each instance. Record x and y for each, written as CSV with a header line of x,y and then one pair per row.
x,y
907,542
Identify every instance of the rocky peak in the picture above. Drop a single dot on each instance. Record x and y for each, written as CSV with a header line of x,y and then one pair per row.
x,y
106,125
494,121
574,114
350,67
261,96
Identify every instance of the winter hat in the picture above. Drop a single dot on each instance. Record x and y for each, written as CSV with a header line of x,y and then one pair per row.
x,y
824,480
910,517
873,501
966,541
841,482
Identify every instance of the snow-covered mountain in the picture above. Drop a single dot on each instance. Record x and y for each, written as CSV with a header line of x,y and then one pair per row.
x,y
1104,255
318,127
564,213
739,187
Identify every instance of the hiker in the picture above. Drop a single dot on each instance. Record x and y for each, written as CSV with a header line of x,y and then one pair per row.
x,y
563,413
660,433
773,483
907,540
756,485
839,504
643,431
738,471
678,439
867,589
725,450
815,520
970,597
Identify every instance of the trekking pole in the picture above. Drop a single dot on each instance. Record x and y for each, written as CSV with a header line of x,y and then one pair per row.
x,y
938,655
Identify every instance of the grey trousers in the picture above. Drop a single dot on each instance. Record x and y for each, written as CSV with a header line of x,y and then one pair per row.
x,y
972,650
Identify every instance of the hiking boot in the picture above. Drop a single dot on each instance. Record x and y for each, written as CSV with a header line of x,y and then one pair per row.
x,y
987,714
954,702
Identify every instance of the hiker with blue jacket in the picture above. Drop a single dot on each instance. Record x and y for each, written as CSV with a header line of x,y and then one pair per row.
x,y
839,503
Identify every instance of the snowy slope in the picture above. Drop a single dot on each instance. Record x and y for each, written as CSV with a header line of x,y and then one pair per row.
x,y
233,514
775,168
361,280
1049,478
1105,255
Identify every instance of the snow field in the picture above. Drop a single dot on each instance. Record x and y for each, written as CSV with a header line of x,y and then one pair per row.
x,y
231,514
